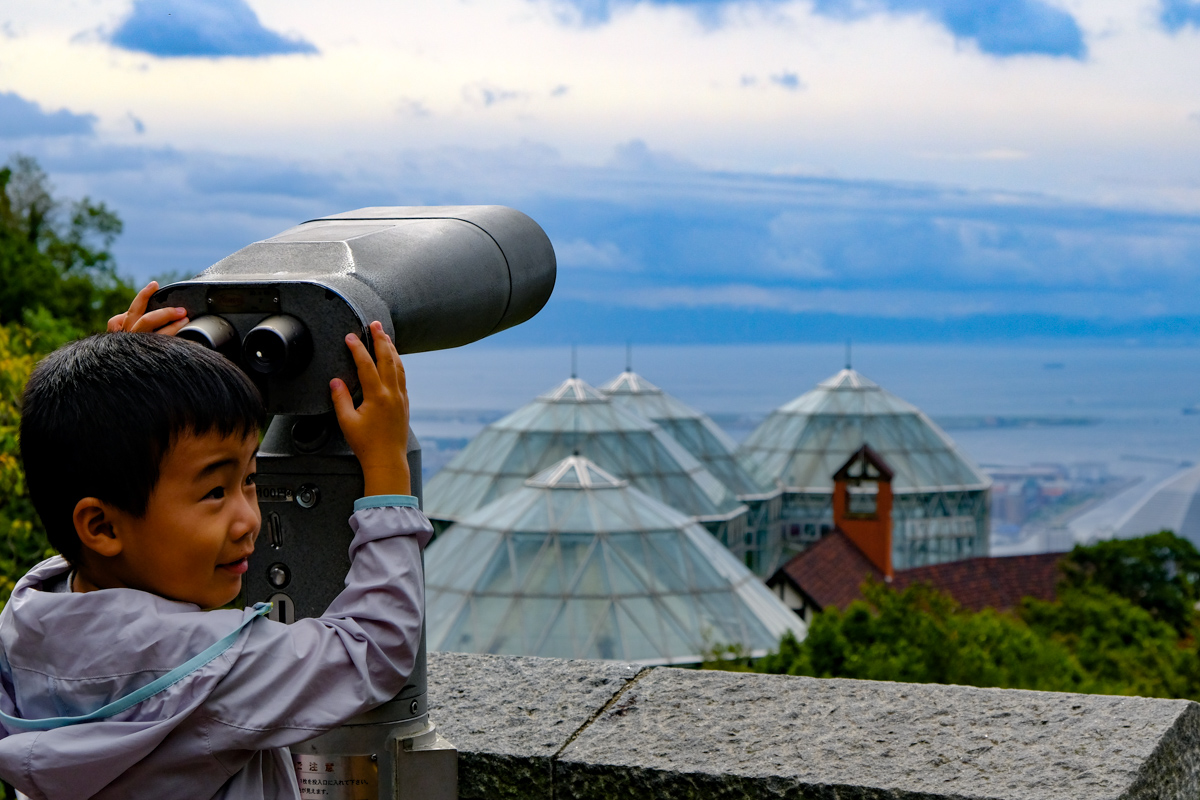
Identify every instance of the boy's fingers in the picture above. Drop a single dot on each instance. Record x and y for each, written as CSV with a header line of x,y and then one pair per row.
x,y
116,323
385,356
138,306
401,375
174,327
343,403
368,375
157,319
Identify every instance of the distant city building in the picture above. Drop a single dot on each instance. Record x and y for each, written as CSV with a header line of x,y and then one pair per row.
x,y
1174,506
941,498
575,418
714,448
830,573
577,563
1020,494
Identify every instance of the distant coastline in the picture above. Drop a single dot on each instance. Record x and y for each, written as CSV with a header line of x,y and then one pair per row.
x,y
975,422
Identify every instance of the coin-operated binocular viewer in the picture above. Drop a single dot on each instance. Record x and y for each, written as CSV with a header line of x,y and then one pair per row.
x,y
436,277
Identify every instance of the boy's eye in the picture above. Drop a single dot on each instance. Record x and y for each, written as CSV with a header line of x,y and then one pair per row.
x,y
216,494
251,478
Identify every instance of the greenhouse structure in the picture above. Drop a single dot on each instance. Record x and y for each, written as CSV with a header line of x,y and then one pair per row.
x,y
1174,506
577,563
715,449
940,509
693,429
576,419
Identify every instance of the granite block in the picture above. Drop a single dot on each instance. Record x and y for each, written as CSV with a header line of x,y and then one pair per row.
x,y
509,716
691,734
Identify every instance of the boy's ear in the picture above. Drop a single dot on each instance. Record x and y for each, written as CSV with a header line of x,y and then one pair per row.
x,y
93,520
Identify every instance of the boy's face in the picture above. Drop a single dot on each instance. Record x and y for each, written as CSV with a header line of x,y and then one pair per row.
x,y
199,528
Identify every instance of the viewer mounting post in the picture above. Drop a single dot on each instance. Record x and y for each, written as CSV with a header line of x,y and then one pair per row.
x,y
436,277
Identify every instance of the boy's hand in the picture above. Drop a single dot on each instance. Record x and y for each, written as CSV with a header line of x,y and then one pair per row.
x,y
377,430
167,321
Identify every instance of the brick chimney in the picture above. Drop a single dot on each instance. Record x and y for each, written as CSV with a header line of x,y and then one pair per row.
x,y
862,506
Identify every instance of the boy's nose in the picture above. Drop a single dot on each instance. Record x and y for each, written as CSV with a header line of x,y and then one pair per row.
x,y
248,520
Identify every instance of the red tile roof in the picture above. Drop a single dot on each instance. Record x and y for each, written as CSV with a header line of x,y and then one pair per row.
x,y
832,570
998,583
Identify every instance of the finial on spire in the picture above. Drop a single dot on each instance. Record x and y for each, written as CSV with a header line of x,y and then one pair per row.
x,y
574,371
629,356
848,353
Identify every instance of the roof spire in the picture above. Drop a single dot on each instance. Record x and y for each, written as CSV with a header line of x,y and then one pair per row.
x,y
574,371
848,353
629,355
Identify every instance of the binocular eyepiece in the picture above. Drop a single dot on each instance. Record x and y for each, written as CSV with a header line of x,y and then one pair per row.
x,y
436,277
278,344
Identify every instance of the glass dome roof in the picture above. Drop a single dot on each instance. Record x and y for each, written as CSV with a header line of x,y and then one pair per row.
x,y
575,418
802,443
1174,505
577,563
693,429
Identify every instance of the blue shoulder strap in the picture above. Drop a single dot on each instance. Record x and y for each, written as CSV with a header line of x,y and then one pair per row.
x,y
149,690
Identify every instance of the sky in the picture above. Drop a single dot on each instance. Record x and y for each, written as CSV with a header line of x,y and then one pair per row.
x,y
708,171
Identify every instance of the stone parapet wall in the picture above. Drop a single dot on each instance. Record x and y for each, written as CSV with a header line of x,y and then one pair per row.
x,y
545,729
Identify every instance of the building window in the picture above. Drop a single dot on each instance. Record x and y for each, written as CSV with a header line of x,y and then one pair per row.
x,y
862,501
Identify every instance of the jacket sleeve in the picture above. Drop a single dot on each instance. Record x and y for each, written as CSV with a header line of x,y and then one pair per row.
x,y
289,683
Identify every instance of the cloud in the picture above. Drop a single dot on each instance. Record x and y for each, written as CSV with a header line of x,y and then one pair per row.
x,y
20,118
788,80
582,254
636,156
243,176
654,249
486,95
204,28
408,107
998,27
906,304
1177,14
995,154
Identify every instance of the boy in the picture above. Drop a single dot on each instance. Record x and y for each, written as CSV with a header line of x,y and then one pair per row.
x,y
139,451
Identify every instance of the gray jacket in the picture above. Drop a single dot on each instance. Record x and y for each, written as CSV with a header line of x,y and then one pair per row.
x,y
223,731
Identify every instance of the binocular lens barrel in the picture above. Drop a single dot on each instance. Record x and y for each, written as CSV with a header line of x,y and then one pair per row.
x,y
277,344
212,331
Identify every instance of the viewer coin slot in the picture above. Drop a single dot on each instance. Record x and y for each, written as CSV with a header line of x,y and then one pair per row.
x,y
284,609
274,530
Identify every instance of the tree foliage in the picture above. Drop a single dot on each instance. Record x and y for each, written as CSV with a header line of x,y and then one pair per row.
x,y
1160,573
1120,645
1123,622
55,254
23,538
922,636
58,281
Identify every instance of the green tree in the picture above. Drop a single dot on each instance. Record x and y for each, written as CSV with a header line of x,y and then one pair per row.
x,y
58,281
921,635
1121,646
1159,572
1123,622
23,538
55,254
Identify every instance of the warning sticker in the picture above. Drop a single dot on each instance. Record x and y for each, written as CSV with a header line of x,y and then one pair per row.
x,y
324,777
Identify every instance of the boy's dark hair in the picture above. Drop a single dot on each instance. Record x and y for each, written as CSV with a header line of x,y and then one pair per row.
x,y
99,414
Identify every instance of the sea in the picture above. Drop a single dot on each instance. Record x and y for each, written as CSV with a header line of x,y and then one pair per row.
x,y
1126,408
